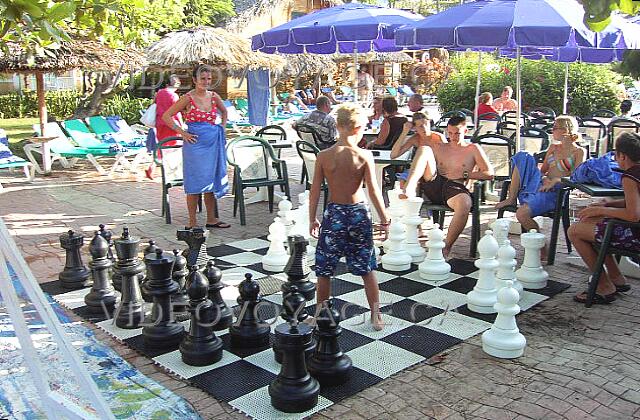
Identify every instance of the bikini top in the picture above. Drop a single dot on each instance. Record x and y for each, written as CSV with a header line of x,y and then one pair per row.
x,y
195,114
563,165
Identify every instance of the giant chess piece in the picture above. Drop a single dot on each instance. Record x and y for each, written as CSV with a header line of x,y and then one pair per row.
x,y
200,347
302,225
130,312
500,229
294,390
276,257
531,274
180,299
411,221
285,215
483,296
329,365
107,234
249,331
163,332
396,258
102,298
149,249
507,267
293,305
75,274
297,269
395,211
435,267
504,340
225,316
196,239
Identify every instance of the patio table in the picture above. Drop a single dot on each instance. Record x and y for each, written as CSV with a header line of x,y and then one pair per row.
x,y
562,207
382,159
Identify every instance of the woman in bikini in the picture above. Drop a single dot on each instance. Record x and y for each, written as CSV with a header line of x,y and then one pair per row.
x,y
204,158
536,189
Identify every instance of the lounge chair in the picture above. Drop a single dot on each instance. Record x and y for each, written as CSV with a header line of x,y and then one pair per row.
x,y
9,161
236,121
123,134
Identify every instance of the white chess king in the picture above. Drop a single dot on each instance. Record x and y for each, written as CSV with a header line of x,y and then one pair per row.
x,y
504,340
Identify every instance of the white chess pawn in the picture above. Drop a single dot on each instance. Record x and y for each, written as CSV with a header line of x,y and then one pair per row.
x,y
500,228
507,267
396,258
395,212
411,221
531,274
504,340
285,215
276,257
483,296
435,267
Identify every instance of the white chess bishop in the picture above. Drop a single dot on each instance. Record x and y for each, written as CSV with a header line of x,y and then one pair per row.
x,y
507,267
531,274
276,257
484,295
411,221
504,340
435,267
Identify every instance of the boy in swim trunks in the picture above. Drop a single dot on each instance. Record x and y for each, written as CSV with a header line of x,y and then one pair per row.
x,y
346,228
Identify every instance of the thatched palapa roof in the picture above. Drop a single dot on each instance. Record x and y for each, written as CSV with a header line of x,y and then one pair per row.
x,y
215,46
374,57
305,64
76,54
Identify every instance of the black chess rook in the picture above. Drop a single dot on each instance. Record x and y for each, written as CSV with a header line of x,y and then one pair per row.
x,y
294,390
149,249
128,266
328,364
214,275
249,331
297,268
200,347
102,297
75,274
163,331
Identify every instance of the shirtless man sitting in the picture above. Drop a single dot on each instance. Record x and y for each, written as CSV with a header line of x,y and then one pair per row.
x,y
444,171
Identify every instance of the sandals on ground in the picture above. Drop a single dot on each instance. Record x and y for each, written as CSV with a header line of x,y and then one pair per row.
x,y
598,299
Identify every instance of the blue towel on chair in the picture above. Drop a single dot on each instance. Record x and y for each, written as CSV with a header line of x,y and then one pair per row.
x,y
259,96
113,122
599,171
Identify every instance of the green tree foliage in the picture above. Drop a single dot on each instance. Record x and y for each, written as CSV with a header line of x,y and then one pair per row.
x,y
590,86
630,64
207,12
597,13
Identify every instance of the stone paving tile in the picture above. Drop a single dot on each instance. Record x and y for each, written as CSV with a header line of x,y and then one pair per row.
x,y
579,363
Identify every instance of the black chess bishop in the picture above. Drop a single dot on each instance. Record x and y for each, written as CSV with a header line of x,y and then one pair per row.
x,y
130,312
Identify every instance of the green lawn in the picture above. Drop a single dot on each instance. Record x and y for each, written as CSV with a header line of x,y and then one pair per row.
x,y
17,130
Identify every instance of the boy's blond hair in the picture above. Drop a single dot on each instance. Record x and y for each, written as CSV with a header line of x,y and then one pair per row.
x,y
349,116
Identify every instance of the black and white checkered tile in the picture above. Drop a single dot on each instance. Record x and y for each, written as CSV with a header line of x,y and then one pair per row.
x,y
422,319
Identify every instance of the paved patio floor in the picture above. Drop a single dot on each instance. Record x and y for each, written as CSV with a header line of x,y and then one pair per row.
x,y
579,363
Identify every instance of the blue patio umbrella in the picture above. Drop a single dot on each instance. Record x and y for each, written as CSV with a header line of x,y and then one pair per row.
x,y
542,28
348,28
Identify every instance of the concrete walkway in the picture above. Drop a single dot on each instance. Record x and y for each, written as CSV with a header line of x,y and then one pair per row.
x,y
579,363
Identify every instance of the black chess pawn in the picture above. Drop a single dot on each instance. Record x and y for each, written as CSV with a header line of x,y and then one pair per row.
x,y
130,312
163,332
196,239
294,390
200,347
149,249
225,316
180,299
328,364
293,306
102,298
249,331
75,274
297,268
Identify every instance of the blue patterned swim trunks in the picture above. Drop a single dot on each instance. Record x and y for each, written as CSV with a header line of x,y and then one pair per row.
x,y
346,230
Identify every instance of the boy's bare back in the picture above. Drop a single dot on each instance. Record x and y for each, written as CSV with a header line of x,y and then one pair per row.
x,y
344,168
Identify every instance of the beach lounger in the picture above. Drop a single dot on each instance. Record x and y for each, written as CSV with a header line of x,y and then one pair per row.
x,y
10,161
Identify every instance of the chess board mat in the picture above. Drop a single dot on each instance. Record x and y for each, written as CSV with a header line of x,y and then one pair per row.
x,y
423,318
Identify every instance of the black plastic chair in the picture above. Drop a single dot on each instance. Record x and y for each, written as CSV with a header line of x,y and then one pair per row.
x,y
619,126
255,165
489,122
509,125
606,249
171,170
542,111
534,140
438,213
272,133
499,150
441,124
595,132
309,153
602,113
311,135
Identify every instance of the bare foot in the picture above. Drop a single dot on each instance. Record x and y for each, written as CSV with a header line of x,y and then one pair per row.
x,y
504,203
377,323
